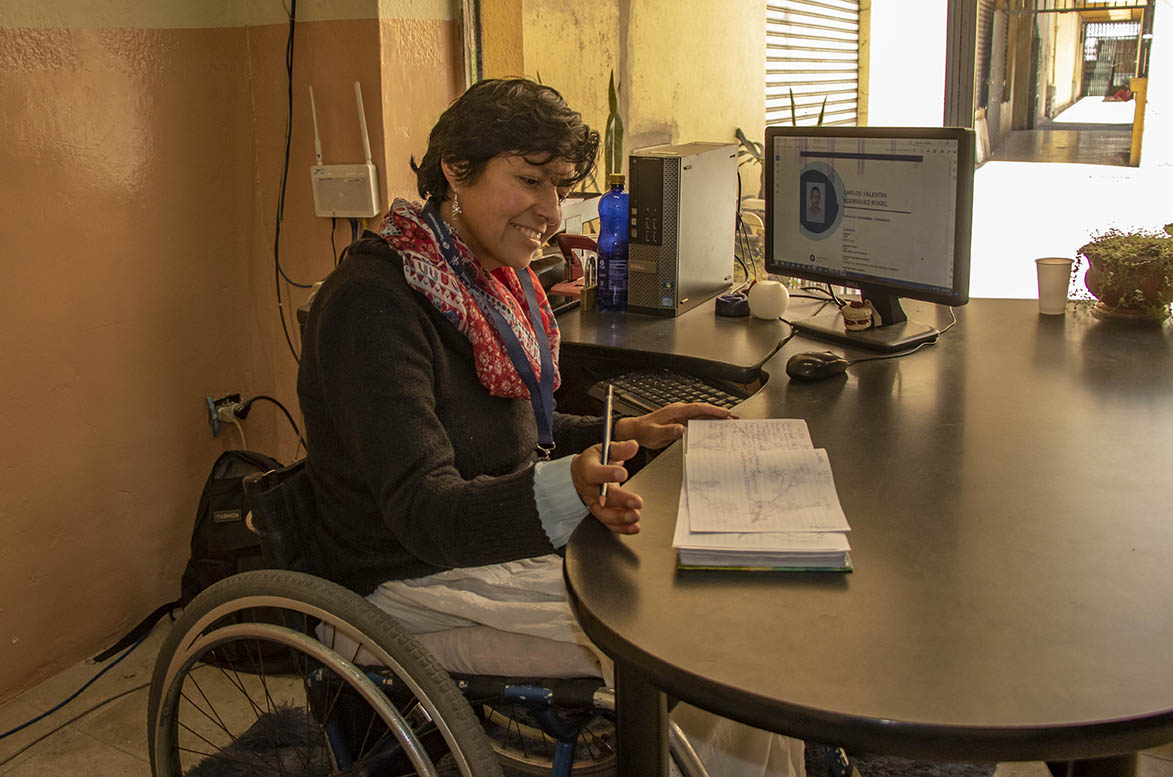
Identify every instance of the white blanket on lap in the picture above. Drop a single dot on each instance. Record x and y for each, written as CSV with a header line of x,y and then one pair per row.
x,y
513,619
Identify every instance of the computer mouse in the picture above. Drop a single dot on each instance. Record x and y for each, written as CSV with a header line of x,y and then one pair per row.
x,y
815,365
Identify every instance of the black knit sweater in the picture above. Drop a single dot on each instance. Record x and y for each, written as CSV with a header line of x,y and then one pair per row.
x,y
415,467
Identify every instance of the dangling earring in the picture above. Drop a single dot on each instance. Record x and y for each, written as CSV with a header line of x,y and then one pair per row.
x,y
456,211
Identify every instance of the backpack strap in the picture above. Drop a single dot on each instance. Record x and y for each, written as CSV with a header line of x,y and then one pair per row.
x,y
133,636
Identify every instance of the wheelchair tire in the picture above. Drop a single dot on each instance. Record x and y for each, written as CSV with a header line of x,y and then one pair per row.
x,y
402,715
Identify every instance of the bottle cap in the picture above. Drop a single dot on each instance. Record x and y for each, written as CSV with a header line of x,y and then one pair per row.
x,y
615,178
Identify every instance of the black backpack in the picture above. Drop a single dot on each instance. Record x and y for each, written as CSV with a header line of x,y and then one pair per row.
x,y
222,544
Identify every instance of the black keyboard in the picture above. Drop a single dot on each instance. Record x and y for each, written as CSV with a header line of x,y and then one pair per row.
x,y
647,390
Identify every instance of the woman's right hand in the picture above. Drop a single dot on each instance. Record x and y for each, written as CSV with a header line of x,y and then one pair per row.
x,y
620,514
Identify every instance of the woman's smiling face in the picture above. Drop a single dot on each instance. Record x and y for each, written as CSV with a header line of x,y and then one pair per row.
x,y
511,209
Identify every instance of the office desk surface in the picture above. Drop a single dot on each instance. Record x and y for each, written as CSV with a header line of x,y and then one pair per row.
x,y
732,348
1011,501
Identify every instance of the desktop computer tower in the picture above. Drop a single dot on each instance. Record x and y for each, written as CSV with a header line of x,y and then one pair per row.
x,y
683,211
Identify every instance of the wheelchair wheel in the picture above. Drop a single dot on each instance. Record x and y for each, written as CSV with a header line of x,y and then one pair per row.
x,y
522,746
242,686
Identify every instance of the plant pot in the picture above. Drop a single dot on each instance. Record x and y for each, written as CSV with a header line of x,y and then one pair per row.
x,y
1129,291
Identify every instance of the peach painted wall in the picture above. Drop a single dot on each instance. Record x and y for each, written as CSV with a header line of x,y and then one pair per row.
x,y
141,143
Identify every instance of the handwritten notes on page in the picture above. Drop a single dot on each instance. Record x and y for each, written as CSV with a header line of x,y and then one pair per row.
x,y
757,433
756,494
757,476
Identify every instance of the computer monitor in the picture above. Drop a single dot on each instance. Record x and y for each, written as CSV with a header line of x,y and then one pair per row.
x,y
886,210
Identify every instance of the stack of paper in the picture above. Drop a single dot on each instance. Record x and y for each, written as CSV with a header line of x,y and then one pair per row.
x,y
757,494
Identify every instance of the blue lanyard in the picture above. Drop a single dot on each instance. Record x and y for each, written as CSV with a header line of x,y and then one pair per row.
x,y
541,387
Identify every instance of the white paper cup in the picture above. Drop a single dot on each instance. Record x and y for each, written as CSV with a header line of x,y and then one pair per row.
x,y
1054,278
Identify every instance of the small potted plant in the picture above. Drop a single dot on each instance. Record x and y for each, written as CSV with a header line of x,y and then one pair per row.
x,y
1129,272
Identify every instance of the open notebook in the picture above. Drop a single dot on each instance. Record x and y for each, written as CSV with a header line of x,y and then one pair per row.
x,y
756,494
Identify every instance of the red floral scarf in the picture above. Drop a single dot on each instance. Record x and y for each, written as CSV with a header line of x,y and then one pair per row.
x,y
426,271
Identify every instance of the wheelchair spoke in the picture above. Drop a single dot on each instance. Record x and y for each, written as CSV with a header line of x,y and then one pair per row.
x,y
239,685
363,700
217,719
366,737
259,663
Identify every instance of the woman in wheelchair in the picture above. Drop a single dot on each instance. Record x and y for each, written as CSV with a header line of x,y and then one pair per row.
x,y
442,478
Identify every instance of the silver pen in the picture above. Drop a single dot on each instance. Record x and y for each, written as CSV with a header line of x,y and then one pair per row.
x,y
607,406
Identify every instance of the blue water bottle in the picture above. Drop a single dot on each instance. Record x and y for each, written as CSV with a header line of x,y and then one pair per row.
x,y
613,246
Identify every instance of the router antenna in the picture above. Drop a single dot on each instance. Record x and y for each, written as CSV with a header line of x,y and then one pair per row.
x,y
317,140
362,122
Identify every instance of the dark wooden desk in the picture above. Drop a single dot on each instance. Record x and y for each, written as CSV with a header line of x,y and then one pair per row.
x,y
1011,500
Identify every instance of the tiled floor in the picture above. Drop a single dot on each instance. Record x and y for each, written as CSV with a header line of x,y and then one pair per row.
x,y
108,742
1022,210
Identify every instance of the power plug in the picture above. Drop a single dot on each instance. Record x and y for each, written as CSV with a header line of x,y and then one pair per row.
x,y
230,412
221,410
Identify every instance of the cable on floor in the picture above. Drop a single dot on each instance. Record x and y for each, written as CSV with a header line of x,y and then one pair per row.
x,y
75,694
75,718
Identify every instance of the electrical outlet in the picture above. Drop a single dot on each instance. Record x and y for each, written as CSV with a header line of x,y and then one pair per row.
x,y
220,410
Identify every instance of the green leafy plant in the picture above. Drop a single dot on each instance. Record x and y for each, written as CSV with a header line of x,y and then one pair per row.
x,y
1129,272
794,111
613,134
749,152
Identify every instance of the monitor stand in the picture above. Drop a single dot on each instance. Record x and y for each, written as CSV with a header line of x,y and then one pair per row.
x,y
896,333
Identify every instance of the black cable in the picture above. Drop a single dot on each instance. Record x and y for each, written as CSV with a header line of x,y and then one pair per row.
x,y
333,250
278,273
835,297
744,269
739,234
353,230
288,136
74,719
780,344
819,289
244,408
746,249
73,696
911,351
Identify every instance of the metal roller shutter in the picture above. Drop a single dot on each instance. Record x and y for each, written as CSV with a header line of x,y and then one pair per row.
x,y
985,36
812,47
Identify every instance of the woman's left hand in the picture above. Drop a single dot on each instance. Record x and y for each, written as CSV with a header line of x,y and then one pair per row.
x,y
666,425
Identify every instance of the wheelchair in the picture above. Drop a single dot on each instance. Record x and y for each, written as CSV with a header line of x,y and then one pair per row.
x,y
278,672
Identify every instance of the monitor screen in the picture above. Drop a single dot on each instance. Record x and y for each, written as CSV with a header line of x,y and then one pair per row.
x,y
886,210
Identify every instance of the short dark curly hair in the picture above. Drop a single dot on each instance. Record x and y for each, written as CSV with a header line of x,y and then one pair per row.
x,y
503,116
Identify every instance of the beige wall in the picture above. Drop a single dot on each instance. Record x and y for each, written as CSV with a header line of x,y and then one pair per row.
x,y
502,44
574,46
1068,59
694,70
142,144
687,70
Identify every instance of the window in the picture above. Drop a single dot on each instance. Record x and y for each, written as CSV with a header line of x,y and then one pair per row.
x,y
812,48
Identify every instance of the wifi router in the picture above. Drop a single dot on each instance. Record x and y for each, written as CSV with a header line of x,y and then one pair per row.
x,y
345,191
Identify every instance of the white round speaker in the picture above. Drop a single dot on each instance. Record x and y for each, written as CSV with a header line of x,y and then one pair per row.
x,y
768,299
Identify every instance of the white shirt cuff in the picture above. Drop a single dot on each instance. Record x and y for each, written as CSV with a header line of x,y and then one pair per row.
x,y
559,507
